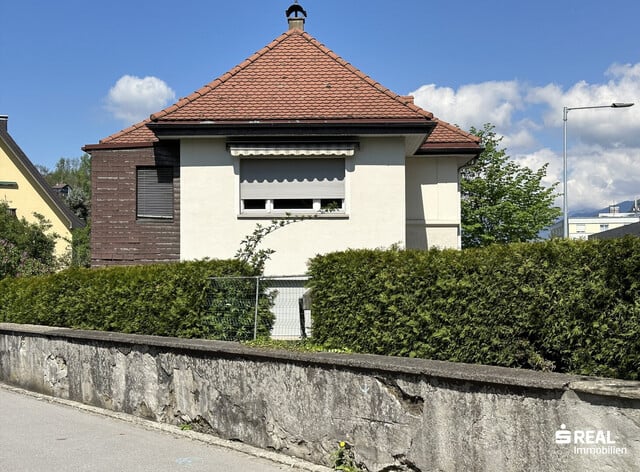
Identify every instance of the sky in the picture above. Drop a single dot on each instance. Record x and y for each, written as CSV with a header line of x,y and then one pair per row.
x,y
75,72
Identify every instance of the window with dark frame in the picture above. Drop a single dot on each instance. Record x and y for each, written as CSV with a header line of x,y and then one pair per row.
x,y
154,189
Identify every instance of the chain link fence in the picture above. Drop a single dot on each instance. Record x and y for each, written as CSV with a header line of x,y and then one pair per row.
x,y
245,308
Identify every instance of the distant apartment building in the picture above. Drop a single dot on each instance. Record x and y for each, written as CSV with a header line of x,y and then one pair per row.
x,y
584,227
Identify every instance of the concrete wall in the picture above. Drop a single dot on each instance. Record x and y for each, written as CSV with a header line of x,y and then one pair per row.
x,y
396,414
211,224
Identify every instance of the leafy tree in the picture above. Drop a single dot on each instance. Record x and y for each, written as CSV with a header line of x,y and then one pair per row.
x,y
75,172
502,201
25,248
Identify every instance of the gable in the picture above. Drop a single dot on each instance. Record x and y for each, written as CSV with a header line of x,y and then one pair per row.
x,y
295,84
293,78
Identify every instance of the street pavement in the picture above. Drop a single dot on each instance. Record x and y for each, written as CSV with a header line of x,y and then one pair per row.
x,y
40,434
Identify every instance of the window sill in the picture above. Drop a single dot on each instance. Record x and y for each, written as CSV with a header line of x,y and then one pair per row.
x,y
147,220
280,215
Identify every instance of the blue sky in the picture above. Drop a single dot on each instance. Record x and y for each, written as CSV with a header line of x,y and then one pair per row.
x,y
74,72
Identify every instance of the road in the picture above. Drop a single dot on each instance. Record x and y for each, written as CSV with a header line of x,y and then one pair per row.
x,y
38,434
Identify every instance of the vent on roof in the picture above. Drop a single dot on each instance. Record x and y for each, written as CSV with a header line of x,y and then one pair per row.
x,y
296,22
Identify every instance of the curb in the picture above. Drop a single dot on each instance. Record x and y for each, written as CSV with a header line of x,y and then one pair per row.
x,y
292,462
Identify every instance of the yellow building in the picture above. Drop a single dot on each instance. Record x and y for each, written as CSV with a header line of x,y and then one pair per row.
x,y
26,192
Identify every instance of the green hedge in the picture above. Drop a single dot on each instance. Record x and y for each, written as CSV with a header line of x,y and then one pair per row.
x,y
568,306
165,299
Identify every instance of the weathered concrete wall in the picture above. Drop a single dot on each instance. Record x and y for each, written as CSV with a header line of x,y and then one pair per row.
x,y
397,414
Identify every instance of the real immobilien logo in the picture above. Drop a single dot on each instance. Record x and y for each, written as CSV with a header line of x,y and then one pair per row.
x,y
589,441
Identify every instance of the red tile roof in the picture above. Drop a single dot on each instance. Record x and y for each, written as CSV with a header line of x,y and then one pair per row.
x,y
294,78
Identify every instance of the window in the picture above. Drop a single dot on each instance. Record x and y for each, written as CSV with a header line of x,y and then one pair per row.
x,y
604,227
310,185
580,228
155,192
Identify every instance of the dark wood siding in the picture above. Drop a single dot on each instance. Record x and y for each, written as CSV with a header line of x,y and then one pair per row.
x,y
118,237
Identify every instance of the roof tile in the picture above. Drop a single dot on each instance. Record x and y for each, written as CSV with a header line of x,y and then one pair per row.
x,y
295,77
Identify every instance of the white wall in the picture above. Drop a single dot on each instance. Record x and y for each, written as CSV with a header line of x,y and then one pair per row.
x,y
211,226
433,202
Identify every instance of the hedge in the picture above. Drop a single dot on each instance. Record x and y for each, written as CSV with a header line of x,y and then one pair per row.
x,y
163,299
568,306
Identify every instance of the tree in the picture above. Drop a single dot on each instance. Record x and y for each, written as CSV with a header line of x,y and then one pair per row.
x,y
25,248
502,201
75,172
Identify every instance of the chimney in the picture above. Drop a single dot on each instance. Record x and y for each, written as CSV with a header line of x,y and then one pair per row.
x,y
4,119
296,22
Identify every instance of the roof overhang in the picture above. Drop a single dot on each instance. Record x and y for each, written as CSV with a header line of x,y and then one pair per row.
x,y
103,146
438,149
177,130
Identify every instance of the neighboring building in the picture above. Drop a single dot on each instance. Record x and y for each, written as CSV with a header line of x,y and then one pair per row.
x,y
586,227
293,130
62,189
632,229
26,192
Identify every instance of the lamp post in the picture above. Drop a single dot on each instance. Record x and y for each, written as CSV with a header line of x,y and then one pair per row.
x,y
565,112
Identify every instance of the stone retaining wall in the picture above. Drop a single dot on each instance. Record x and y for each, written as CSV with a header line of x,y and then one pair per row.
x,y
395,414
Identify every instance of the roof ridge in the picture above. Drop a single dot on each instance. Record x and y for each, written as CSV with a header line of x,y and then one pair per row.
x,y
367,78
223,78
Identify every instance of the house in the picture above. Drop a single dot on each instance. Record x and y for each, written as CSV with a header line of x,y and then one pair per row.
x,y
26,192
585,227
63,189
294,130
632,229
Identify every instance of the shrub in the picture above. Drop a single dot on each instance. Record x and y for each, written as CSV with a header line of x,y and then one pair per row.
x,y
163,299
570,306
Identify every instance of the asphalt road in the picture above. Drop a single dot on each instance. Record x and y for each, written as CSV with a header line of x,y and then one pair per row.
x,y
38,434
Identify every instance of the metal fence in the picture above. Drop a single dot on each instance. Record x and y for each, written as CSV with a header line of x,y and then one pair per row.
x,y
249,307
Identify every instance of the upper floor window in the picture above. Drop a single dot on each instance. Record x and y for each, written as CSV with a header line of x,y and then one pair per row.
x,y
154,192
311,185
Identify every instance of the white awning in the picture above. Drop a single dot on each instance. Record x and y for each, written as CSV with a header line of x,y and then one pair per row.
x,y
293,150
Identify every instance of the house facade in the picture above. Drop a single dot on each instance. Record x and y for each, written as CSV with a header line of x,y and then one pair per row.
x,y
586,227
26,192
294,131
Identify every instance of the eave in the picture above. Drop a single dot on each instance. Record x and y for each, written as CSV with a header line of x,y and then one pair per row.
x,y
177,129
120,145
431,149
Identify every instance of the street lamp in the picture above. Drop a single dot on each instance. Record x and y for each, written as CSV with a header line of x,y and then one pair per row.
x,y
565,112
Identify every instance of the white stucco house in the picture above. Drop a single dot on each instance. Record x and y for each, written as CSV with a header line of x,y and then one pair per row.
x,y
294,130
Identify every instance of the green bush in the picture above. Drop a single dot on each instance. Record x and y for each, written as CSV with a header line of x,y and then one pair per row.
x,y
163,299
568,306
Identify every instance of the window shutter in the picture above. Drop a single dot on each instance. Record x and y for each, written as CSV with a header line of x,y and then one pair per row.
x,y
291,178
155,192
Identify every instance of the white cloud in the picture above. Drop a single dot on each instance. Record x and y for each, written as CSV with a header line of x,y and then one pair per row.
x,y
607,127
603,144
133,99
473,104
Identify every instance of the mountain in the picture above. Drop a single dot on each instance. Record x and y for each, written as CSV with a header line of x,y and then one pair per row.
x,y
625,207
